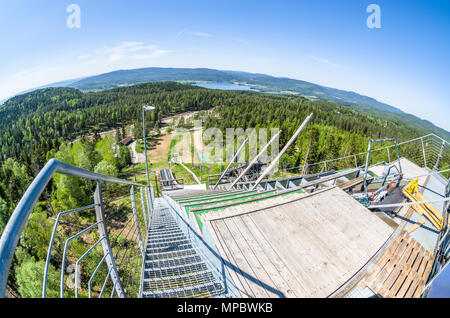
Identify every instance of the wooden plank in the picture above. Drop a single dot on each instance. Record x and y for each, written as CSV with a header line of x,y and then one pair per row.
x,y
240,260
393,260
304,247
376,268
359,225
267,266
399,267
421,276
329,261
415,226
353,183
331,229
231,272
231,258
292,280
423,281
411,274
340,232
404,268
253,262
239,280
287,246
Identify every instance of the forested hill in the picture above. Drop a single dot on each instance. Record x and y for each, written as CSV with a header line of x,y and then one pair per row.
x,y
261,82
27,120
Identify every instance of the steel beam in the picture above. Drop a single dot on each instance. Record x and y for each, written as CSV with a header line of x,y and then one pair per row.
x,y
254,160
277,158
136,222
231,162
103,232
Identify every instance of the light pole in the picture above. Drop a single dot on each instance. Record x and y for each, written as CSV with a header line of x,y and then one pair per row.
x,y
144,108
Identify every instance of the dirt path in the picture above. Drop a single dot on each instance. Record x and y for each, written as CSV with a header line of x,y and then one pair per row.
x,y
136,157
160,151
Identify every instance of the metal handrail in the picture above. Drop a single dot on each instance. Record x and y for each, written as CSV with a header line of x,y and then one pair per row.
x,y
19,217
436,149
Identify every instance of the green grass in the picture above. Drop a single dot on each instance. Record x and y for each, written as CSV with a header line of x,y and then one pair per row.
x,y
140,145
173,142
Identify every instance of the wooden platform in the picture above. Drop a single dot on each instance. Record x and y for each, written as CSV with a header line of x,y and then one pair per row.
x,y
402,271
304,246
354,182
409,169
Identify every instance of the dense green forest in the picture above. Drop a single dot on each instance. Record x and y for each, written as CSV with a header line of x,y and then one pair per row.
x,y
64,112
40,125
334,132
261,82
62,194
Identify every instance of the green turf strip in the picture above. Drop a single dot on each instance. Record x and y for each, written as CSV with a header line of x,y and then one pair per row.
x,y
192,197
241,197
209,195
264,197
219,197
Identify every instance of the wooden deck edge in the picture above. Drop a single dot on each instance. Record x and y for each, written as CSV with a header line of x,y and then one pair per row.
x,y
270,205
354,280
342,290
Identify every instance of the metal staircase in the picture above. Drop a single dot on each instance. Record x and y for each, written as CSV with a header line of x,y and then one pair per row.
x,y
173,265
173,259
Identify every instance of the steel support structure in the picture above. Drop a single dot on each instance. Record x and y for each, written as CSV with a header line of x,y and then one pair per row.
x,y
106,245
254,160
277,158
231,162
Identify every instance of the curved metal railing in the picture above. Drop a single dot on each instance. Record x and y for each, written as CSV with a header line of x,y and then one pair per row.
x,y
121,233
429,151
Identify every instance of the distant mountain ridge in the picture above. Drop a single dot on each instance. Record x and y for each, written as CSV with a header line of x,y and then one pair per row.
x,y
261,82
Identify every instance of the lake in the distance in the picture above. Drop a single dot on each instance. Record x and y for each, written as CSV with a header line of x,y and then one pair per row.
x,y
226,86
232,87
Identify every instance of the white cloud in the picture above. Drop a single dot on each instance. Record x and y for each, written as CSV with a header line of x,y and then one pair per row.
x,y
126,55
324,61
131,51
195,33
243,41
202,34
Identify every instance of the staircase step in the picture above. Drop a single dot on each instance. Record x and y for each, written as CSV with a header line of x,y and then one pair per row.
x,y
165,230
202,291
181,281
169,249
181,261
164,227
151,245
166,239
174,271
160,222
172,266
169,255
159,234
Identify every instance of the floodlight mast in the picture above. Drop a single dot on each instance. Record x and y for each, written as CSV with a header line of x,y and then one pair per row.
x,y
146,108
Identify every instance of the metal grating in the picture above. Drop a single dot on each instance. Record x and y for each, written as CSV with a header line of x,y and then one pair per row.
x,y
173,268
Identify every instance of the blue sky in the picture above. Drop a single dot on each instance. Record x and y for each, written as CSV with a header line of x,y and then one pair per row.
x,y
405,63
